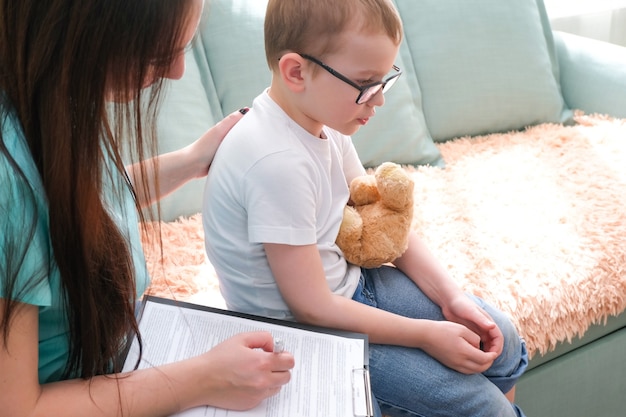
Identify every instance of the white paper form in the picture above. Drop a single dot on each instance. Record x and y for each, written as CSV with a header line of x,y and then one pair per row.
x,y
322,381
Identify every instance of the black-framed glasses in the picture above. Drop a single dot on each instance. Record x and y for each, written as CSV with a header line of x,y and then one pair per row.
x,y
366,92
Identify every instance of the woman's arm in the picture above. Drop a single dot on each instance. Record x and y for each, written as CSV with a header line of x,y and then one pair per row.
x,y
178,167
237,374
300,277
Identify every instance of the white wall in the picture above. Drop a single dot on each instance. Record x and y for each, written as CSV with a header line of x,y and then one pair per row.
x,y
598,19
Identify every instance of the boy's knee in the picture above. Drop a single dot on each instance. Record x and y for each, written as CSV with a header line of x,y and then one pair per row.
x,y
504,323
513,360
511,364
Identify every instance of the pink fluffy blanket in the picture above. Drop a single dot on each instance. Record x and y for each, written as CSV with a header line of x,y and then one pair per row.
x,y
532,221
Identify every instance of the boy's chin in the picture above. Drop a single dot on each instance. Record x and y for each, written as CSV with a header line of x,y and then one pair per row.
x,y
349,130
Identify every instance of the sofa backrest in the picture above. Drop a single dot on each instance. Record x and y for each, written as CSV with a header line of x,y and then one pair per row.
x,y
470,68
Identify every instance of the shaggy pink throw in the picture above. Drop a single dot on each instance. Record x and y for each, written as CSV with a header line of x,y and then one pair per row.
x,y
533,222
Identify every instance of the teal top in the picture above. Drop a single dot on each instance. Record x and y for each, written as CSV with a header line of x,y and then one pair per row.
x,y
18,208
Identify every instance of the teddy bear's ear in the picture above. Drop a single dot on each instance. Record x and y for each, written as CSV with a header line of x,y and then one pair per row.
x,y
364,190
395,187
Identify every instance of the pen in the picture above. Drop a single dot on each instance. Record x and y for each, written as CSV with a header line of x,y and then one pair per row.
x,y
279,345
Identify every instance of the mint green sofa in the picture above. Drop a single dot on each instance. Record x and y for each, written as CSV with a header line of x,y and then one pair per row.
x,y
470,68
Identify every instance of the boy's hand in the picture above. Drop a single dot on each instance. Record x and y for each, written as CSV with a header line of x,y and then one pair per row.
x,y
464,311
481,334
457,347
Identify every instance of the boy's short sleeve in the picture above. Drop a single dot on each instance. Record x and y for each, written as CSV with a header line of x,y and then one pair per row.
x,y
282,208
24,245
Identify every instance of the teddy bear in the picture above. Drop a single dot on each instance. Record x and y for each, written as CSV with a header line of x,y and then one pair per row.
x,y
375,227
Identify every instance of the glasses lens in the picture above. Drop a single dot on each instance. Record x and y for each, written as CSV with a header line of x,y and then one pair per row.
x,y
368,93
390,82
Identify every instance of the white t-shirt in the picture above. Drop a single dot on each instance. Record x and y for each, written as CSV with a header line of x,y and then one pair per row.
x,y
273,182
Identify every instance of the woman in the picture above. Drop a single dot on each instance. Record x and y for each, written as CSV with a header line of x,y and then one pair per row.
x,y
73,78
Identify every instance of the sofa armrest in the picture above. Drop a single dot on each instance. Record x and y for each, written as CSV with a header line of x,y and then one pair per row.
x,y
592,74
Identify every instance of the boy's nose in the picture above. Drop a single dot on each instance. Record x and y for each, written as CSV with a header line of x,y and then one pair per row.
x,y
377,99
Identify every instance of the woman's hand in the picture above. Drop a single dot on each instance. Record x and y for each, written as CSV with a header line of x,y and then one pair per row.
x,y
180,166
205,147
243,371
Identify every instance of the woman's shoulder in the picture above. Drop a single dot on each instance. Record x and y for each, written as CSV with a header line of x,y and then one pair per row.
x,y
17,167
24,220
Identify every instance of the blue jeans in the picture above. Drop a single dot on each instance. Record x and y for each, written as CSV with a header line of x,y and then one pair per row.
x,y
407,382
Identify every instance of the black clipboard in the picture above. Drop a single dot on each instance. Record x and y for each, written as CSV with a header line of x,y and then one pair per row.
x,y
359,375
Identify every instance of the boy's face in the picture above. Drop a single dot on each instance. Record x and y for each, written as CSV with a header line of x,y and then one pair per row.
x,y
363,59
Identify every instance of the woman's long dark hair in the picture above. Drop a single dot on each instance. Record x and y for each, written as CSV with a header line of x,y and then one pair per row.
x,y
60,62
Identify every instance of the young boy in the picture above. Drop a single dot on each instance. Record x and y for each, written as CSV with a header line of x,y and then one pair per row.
x,y
277,188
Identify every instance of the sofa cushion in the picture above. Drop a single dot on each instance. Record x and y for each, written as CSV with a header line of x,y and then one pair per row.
x,y
232,36
483,66
593,74
514,218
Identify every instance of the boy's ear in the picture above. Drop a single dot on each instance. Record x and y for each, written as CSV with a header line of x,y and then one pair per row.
x,y
291,67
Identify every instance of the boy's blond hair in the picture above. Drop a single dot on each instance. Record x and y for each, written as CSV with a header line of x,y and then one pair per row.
x,y
313,26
